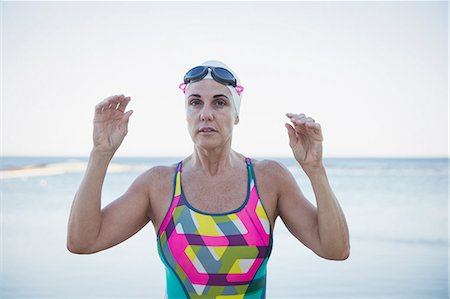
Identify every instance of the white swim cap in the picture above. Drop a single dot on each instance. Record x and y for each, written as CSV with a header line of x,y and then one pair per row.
x,y
236,97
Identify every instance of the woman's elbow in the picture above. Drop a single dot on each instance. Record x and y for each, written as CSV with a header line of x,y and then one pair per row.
x,y
341,255
344,254
73,247
337,254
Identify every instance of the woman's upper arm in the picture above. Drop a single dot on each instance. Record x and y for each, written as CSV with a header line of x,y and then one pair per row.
x,y
297,212
126,215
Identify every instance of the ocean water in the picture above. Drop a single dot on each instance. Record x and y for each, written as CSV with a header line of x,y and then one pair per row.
x,y
396,209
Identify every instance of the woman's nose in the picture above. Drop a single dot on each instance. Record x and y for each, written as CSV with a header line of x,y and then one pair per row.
x,y
206,113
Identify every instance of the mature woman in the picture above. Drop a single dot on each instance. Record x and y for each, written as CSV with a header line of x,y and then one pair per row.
x,y
214,211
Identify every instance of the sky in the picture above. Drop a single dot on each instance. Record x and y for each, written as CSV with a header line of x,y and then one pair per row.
x,y
373,74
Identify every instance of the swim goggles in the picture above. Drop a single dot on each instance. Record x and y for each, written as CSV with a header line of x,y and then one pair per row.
x,y
219,74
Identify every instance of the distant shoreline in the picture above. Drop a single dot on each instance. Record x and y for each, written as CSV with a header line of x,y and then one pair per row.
x,y
255,157
61,168
29,166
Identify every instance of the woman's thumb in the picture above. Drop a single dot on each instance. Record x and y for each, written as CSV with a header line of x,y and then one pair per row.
x,y
127,115
125,119
292,135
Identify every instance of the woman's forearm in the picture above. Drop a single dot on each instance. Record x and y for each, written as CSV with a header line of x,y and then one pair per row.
x,y
332,226
85,215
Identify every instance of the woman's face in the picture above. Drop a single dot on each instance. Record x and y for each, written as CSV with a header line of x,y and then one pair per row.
x,y
210,114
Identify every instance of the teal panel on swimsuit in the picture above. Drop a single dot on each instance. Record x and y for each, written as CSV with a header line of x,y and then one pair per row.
x,y
174,288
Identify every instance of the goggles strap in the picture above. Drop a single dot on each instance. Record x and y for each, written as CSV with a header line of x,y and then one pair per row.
x,y
183,87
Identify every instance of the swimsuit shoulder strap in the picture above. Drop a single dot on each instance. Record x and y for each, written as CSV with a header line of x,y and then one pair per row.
x,y
177,180
175,198
251,172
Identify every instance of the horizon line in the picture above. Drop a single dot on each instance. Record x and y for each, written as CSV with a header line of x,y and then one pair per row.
x,y
256,156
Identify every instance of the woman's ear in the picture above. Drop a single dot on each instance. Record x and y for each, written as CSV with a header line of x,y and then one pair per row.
x,y
236,120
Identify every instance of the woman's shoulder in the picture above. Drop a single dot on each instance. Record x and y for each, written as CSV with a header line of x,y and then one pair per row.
x,y
162,171
270,171
268,166
158,174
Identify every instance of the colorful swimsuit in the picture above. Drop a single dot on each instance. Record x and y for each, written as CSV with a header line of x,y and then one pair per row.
x,y
220,255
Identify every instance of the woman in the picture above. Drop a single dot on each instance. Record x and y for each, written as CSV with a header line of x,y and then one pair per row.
x,y
213,221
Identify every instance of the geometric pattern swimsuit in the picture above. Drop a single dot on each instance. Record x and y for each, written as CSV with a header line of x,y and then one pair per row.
x,y
215,255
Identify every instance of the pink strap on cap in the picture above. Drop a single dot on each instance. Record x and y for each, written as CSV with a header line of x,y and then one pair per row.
x,y
239,89
183,87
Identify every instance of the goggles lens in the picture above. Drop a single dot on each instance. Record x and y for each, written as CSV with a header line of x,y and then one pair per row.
x,y
224,74
196,72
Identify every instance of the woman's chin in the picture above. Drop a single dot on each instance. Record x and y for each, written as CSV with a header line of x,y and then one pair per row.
x,y
208,143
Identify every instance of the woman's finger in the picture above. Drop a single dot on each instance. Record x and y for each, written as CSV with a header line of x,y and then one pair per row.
x,y
123,104
297,116
112,102
309,121
105,103
301,122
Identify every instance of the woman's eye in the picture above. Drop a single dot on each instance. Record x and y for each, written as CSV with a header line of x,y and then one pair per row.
x,y
195,102
221,103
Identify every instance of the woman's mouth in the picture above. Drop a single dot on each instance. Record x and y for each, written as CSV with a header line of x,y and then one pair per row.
x,y
207,130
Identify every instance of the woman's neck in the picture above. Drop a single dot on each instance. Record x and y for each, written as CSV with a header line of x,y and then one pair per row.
x,y
212,162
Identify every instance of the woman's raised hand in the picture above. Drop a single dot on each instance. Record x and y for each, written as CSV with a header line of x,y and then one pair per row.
x,y
111,124
305,140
